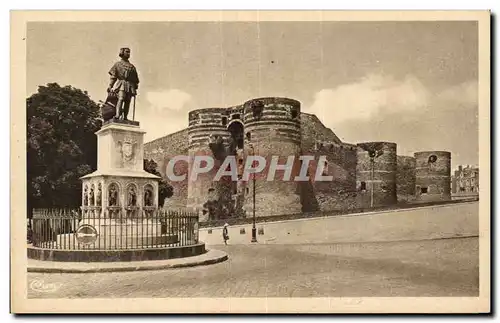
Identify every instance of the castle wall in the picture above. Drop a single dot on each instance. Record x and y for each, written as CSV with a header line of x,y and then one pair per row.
x,y
433,175
382,186
405,178
161,151
276,127
341,165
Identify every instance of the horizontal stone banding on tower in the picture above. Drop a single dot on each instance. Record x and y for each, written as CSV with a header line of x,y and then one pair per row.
x,y
207,133
272,121
276,136
382,170
195,113
204,134
274,132
275,100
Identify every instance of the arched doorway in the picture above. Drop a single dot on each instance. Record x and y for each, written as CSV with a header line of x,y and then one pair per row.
x,y
236,130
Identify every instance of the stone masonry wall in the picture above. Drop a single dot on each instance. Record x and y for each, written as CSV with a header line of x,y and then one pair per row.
x,y
405,178
161,150
341,165
433,174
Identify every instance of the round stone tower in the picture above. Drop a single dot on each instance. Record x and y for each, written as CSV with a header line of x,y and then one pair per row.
x,y
273,128
208,135
376,174
433,175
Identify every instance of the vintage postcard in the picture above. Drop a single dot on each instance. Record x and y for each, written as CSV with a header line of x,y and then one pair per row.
x,y
250,162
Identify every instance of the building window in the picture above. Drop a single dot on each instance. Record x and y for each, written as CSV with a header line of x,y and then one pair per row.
x,y
363,186
235,116
224,121
249,136
432,158
247,190
423,190
294,114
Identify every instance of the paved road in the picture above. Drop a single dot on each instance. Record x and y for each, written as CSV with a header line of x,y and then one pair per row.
x,y
416,268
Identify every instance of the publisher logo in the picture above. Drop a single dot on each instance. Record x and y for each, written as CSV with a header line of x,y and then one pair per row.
x,y
43,287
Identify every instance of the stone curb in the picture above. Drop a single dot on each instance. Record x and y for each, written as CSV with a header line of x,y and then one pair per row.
x,y
212,257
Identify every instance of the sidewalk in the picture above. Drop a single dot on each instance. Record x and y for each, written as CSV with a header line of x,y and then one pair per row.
x,y
208,258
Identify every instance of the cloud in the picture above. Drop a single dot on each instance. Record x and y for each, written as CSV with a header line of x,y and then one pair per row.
x,y
164,112
172,99
404,111
464,93
369,96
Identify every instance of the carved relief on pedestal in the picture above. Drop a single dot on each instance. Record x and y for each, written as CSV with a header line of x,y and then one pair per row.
x,y
127,149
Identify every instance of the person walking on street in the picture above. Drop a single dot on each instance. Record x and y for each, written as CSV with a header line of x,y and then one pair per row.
x,y
225,233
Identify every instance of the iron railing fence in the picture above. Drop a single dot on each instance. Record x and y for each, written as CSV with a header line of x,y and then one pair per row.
x,y
90,229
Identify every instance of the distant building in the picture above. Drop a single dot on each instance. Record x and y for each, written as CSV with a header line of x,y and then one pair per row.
x,y
465,180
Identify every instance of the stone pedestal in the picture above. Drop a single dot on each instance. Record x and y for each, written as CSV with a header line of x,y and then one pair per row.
x,y
119,198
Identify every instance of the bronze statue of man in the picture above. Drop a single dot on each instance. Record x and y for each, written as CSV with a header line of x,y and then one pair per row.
x,y
124,82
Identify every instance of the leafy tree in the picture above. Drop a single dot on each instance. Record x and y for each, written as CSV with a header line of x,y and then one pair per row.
x,y
61,144
165,190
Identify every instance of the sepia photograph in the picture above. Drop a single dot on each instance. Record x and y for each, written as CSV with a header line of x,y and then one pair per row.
x,y
250,162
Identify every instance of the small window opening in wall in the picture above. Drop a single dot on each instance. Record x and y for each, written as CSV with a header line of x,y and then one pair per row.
x,y
235,116
224,121
249,136
210,190
432,158
423,190
363,186
295,114
247,190
240,161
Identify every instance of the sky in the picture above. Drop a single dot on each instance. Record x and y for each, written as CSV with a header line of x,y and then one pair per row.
x,y
413,83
